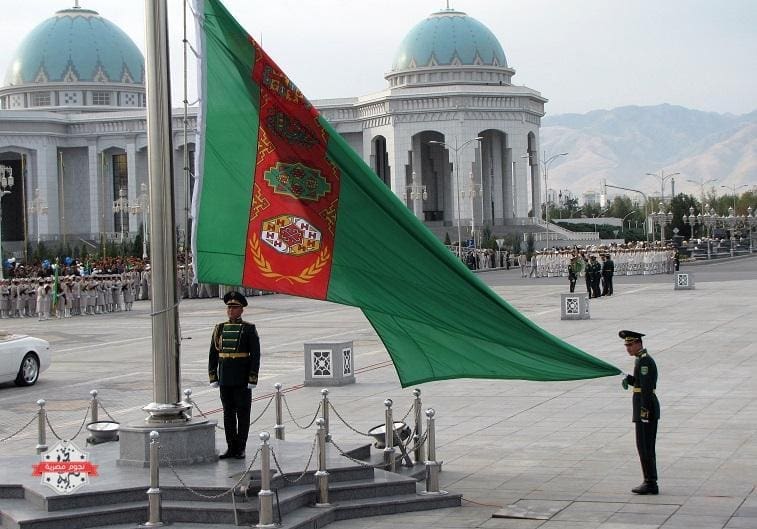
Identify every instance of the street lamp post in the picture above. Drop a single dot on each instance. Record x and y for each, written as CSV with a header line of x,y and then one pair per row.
x,y
121,206
6,183
662,219
623,222
691,220
733,189
38,206
709,220
701,182
751,220
731,221
456,149
142,207
545,164
662,177
417,193
594,220
472,189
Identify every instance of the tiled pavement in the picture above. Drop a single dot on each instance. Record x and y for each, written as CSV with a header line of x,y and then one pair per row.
x,y
562,452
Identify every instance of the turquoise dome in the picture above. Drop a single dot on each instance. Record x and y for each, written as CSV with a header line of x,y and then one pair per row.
x,y
76,45
449,37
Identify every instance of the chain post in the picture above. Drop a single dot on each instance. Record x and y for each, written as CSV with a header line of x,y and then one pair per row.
x,y
325,409
265,496
153,493
418,409
94,406
278,429
41,432
188,403
389,437
322,475
432,466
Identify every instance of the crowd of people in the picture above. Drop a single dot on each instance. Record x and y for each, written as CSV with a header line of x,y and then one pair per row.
x,y
72,287
629,259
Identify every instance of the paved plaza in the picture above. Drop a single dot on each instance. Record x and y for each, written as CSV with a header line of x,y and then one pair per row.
x,y
548,455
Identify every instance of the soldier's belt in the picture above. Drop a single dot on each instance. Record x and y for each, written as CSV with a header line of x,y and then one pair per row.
x,y
233,355
638,390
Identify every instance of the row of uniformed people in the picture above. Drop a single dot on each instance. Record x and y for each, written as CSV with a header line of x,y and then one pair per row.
x,y
76,295
628,261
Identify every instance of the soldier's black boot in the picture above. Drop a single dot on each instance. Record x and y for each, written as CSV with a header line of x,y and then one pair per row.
x,y
648,487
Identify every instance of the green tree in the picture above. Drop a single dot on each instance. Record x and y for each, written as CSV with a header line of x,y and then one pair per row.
x,y
680,206
620,207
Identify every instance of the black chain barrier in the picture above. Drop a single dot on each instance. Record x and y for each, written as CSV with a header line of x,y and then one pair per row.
x,y
81,427
24,427
307,465
295,420
167,459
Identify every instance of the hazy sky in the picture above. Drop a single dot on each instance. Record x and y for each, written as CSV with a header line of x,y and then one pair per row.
x,y
580,54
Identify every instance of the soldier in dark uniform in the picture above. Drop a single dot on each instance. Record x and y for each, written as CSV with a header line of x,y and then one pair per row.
x,y
646,408
608,271
595,273
233,364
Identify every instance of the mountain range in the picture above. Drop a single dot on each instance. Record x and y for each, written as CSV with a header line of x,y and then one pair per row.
x,y
622,145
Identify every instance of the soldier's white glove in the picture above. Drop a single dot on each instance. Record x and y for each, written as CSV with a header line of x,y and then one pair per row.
x,y
251,386
214,384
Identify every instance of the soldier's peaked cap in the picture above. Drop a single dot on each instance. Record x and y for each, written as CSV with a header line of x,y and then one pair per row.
x,y
235,298
630,336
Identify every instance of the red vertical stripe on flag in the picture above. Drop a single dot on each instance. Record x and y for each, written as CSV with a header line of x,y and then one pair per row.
x,y
290,239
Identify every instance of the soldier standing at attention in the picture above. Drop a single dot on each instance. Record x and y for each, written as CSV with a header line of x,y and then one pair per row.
x,y
233,364
595,271
608,271
646,408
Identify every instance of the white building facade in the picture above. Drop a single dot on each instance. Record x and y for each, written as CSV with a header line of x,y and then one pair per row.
x,y
73,134
451,134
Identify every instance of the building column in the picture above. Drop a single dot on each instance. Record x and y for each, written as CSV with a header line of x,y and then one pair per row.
x,y
133,187
416,167
521,176
95,200
508,179
498,172
467,160
47,182
396,151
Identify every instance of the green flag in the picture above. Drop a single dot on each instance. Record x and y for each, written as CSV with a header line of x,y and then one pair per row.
x,y
282,203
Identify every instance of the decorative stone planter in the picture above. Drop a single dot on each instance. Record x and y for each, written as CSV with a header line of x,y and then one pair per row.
x,y
329,364
574,307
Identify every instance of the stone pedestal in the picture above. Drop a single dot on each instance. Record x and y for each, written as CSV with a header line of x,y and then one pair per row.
x,y
185,443
329,364
574,307
683,281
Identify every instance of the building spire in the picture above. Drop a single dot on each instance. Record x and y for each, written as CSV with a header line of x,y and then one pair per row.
x,y
76,4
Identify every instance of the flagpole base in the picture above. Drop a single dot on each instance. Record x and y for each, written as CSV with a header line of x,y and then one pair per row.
x,y
189,443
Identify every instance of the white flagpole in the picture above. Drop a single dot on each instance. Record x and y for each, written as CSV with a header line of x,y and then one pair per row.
x,y
166,406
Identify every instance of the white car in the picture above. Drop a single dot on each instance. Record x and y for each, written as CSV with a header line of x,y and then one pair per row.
x,y
22,358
